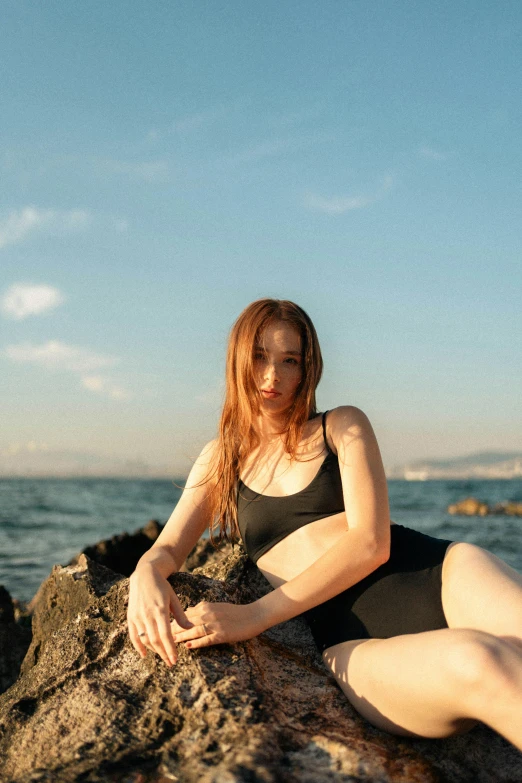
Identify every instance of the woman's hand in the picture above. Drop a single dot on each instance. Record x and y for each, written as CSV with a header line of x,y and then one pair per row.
x,y
151,602
220,623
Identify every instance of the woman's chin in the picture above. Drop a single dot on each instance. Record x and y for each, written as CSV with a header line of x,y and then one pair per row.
x,y
276,405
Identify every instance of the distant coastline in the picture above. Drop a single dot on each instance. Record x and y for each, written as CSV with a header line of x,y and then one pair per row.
x,y
482,465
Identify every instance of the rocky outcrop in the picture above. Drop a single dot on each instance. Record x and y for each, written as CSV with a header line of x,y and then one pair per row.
x,y
122,552
473,507
20,623
15,637
86,707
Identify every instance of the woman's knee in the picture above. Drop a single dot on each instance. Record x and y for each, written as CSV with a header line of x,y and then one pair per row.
x,y
459,554
474,661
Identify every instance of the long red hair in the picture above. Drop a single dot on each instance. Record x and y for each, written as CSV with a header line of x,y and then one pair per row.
x,y
237,434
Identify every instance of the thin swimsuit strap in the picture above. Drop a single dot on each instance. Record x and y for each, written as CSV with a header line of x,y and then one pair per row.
x,y
324,433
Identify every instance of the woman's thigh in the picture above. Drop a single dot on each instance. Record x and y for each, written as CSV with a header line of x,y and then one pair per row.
x,y
408,684
479,590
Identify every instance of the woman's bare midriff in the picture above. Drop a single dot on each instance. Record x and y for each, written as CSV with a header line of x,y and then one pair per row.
x,y
297,551
300,549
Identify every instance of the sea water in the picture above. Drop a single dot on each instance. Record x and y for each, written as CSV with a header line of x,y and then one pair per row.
x,y
44,521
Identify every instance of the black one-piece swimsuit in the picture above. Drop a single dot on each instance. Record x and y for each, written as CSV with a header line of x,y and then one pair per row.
x,y
401,596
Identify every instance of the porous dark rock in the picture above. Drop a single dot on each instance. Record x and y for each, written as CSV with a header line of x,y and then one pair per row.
x,y
21,622
15,637
87,708
205,553
121,552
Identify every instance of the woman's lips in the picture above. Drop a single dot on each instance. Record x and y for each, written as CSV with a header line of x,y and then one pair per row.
x,y
270,394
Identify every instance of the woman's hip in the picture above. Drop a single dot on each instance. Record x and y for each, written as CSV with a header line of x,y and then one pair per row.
x,y
401,596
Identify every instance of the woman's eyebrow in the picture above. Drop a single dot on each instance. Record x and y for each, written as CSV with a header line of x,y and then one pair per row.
x,y
287,353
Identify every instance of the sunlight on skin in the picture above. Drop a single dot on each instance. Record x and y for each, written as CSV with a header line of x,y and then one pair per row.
x,y
337,659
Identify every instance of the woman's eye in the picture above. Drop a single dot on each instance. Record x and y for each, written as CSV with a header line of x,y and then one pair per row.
x,y
292,360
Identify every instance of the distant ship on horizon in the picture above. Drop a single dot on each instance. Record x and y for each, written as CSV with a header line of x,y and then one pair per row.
x,y
415,475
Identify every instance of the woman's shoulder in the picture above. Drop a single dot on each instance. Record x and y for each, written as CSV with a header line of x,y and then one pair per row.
x,y
209,453
206,457
210,447
347,419
346,414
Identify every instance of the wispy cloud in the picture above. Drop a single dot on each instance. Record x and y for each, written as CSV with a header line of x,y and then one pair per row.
x,y
85,165
188,124
196,120
22,300
101,385
337,205
430,152
231,111
150,171
28,446
57,355
18,224
271,148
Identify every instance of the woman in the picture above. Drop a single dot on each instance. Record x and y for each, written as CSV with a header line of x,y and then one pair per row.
x,y
424,636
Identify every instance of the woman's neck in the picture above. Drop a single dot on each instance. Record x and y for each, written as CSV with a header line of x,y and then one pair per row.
x,y
270,427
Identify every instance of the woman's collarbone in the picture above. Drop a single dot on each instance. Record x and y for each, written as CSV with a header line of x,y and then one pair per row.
x,y
269,482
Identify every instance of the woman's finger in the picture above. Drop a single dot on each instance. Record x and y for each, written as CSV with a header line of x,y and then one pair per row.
x,y
203,641
152,640
190,619
177,610
193,633
155,641
192,616
136,639
165,631
176,628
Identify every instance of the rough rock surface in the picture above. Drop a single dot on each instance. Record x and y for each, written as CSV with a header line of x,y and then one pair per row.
x,y
19,621
122,552
87,708
477,508
15,637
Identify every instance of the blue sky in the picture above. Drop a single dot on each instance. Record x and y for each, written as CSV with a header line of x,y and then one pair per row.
x,y
164,164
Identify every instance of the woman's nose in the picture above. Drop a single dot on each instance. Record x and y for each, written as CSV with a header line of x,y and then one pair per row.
x,y
270,371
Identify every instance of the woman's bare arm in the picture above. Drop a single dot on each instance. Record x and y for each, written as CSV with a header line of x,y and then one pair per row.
x,y
152,599
187,522
366,543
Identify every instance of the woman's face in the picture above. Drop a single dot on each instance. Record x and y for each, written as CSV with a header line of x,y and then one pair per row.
x,y
278,366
